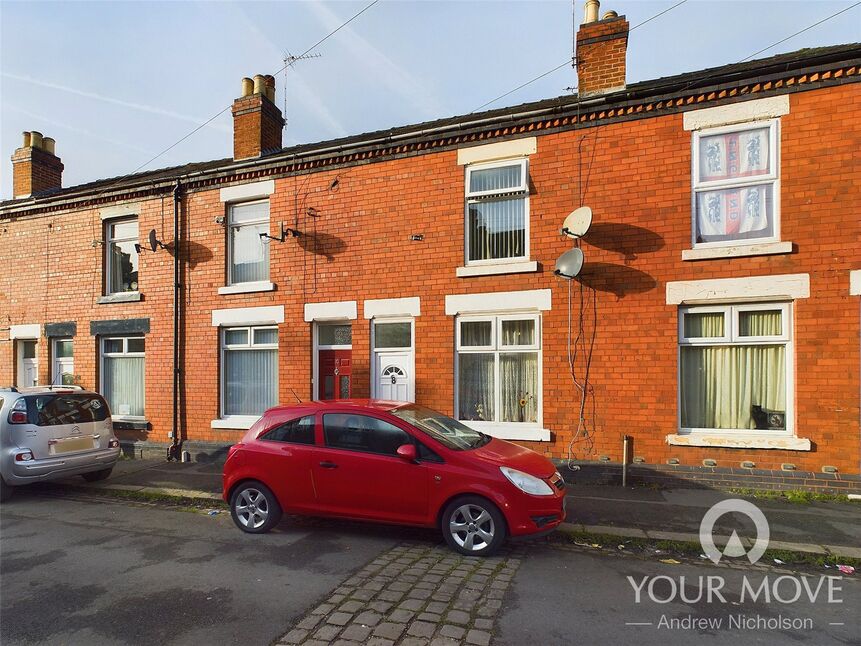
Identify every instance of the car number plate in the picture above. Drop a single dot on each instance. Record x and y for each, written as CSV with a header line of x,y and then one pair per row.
x,y
73,444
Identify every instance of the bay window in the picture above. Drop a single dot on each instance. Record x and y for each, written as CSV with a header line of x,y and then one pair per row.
x,y
735,185
497,212
123,375
249,369
498,369
735,368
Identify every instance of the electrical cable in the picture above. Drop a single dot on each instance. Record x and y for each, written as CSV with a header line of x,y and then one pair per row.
x,y
225,109
569,60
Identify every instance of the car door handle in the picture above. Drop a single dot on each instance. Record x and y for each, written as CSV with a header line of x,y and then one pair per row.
x,y
328,465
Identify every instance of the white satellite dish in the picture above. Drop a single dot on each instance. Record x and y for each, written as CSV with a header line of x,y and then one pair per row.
x,y
577,223
569,264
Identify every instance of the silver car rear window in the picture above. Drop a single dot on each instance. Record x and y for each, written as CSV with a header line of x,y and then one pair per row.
x,y
56,409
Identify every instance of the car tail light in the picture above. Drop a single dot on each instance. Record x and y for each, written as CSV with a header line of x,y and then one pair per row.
x,y
114,443
18,414
24,456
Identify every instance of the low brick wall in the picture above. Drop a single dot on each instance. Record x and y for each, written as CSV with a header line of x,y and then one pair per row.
x,y
693,477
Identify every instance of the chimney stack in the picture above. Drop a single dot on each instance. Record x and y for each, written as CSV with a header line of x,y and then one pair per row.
x,y
35,167
601,49
257,121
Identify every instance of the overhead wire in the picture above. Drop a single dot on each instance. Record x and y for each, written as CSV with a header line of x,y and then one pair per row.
x,y
226,108
571,59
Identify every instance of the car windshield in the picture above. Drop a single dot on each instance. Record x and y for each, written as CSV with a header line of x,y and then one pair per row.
x,y
442,428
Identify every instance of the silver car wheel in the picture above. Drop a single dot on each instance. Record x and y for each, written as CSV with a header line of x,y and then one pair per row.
x,y
472,527
252,508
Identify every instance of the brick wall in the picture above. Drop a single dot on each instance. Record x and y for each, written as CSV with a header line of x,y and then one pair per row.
x,y
636,177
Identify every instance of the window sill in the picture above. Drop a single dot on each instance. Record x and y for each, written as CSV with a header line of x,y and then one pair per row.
x,y
512,431
737,251
120,297
240,422
247,288
521,267
741,441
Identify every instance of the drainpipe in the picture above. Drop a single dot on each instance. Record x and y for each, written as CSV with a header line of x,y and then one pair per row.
x,y
175,449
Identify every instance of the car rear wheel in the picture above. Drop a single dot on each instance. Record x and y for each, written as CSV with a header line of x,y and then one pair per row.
x,y
254,508
473,526
95,476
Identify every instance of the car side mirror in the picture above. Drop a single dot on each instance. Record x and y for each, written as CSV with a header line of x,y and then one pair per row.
x,y
407,452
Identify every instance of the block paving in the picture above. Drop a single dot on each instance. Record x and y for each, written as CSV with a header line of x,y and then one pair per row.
x,y
414,595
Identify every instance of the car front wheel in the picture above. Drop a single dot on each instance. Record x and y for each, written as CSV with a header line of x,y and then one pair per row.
x,y
254,508
473,526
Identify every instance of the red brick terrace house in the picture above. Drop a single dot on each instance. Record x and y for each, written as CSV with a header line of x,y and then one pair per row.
x,y
715,321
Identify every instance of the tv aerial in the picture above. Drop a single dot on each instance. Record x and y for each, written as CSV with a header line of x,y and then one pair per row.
x,y
577,223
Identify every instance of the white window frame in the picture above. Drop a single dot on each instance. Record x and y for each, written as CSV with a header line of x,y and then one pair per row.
x,y
124,353
261,284
512,430
732,338
244,420
479,196
109,241
772,178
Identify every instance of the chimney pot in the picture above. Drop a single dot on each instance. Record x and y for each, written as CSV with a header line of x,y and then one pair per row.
x,y
247,87
591,11
26,139
259,84
609,14
48,144
36,139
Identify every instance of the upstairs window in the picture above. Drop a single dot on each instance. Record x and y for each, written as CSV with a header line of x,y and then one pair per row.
x,y
247,252
497,212
121,256
735,182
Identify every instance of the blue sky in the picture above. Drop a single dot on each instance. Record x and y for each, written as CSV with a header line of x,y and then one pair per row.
x,y
117,82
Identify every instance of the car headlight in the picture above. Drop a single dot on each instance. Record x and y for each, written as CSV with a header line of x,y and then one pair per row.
x,y
527,483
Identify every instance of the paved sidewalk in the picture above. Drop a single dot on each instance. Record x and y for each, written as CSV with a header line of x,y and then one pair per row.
x,y
671,514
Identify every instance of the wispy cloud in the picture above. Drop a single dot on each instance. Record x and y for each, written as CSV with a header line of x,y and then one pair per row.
x,y
298,89
382,68
114,101
81,131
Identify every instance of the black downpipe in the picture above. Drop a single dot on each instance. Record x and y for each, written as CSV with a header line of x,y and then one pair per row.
x,y
175,450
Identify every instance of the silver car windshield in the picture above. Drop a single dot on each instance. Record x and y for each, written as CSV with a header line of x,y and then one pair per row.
x,y
442,428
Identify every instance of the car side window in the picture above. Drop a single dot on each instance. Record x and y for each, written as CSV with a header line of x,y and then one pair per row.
x,y
297,431
363,433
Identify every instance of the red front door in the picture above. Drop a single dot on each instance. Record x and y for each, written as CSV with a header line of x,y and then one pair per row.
x,y
335,374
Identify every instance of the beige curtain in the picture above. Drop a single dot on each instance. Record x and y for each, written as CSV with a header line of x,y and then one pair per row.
x,y
722,384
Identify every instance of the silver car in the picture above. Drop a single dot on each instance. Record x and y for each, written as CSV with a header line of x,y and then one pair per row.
x,y
49,432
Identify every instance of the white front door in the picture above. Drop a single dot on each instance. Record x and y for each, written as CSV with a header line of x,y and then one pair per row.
x,y
64,363
394,377
28,364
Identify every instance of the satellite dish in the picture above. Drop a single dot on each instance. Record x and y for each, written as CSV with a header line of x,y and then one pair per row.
x,y
577,223
569,264
154,242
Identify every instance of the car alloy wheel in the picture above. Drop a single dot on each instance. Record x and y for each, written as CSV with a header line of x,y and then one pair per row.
x,y
254,508
473,526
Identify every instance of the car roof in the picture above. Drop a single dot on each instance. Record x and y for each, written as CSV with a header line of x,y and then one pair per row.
x,y
317,406
56,389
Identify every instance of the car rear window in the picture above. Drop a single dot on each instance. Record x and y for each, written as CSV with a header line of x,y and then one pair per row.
x,y
56,409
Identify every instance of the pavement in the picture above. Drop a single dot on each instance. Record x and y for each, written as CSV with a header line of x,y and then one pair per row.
x,y
632,512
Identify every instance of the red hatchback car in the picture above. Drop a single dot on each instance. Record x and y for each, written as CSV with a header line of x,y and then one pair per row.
x,y
391,462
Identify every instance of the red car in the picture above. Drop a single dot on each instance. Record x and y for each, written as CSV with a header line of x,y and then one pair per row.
x,y
391,462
